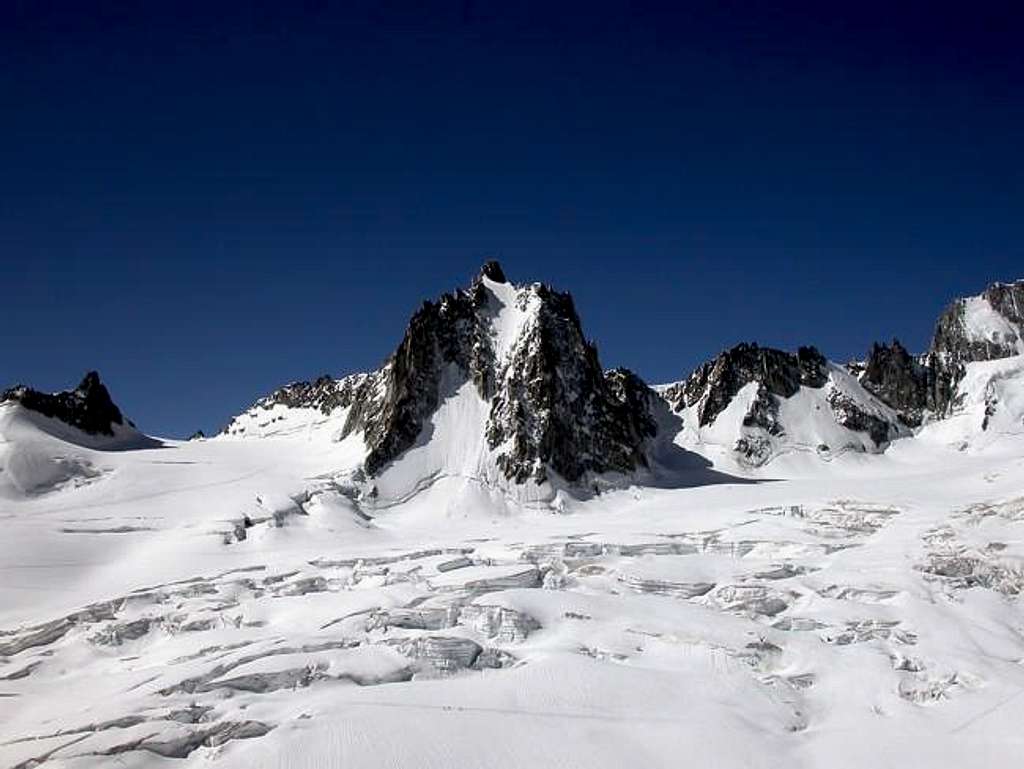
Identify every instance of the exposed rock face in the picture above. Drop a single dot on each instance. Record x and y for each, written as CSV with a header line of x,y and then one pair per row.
x,y
715,383
902,381
551,407
88,407
1007,299
913,386
851,415
550,412
450,333
986,327
324,393
778,376
556,408
980,328
492,270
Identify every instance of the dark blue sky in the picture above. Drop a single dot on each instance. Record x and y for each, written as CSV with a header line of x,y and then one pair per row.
x,y
204,201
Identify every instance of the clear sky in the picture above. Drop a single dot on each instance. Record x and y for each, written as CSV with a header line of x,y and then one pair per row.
x,y
206,200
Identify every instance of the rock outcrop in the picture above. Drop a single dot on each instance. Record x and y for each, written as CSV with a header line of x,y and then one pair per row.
x,y
557,409
777,376
986,327
901,380
88,407
973,329
715,383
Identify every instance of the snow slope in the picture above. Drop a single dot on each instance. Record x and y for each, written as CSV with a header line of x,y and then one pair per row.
x,y
989,409
982,323
234,603
801,581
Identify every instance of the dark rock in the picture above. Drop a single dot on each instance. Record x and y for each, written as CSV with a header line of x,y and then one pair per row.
x,y
755,450
557,410
853,417
407,390
899,380
324,393
1008,300
552,407
952,342
88,407
714,384
916,386
492,271
764,413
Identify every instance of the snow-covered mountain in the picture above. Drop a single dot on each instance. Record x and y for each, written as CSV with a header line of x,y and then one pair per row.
x,y
495,392
42,435
754,404
758,402
790,562
88,407
496,385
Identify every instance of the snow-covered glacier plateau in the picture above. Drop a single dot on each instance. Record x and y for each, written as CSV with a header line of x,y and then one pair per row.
x,y
493,552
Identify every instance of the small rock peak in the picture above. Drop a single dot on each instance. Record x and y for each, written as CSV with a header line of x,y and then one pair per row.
x,y
88,407
492,271
90,383
713,385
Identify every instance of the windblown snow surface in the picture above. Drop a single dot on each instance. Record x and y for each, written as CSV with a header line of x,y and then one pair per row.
x,y
230,603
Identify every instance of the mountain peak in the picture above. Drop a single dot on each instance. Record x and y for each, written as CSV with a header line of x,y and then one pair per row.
x,y
512,366
88,407
715,383
492,271
91,384
545,404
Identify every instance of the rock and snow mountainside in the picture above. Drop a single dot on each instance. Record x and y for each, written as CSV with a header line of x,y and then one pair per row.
x,y
32,423
985,327
354,574
972,330
88,407
759,402
495,384
754,404
495,390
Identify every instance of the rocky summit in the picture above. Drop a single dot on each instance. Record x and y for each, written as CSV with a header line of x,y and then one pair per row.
x,y
88,407
542,408
715,383
772,418
552,410
907,383
499,384
974,329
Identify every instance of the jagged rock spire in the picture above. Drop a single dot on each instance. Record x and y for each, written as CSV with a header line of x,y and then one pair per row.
x,y
550,409
715,383
978,328
492,271
88,407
